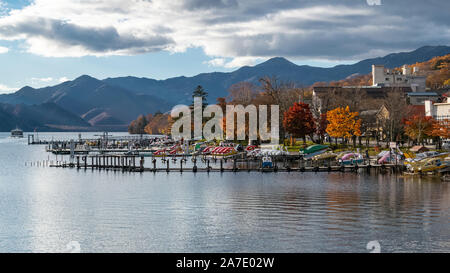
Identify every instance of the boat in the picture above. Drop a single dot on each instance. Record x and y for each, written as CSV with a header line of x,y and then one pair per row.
x,y
313,150
267,163
325,156
351,159
389,157
428,165
223,151
17,133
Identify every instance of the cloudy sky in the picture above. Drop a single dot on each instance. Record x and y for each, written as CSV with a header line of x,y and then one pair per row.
x,y
43,42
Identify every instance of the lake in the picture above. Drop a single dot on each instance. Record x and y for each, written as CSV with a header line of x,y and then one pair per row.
x,y
42,209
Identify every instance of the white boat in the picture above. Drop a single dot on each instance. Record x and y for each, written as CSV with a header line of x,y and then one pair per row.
x,y
17,133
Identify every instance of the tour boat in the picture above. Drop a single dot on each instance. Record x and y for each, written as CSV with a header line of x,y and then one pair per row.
x,y
17,133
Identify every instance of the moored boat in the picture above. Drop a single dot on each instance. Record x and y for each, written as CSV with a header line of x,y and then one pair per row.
x,y
17,133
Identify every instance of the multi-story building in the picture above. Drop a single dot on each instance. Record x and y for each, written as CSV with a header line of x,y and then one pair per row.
x,y
392,78
438,111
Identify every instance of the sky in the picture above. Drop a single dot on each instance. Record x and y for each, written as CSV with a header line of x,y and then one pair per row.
x,y
45,42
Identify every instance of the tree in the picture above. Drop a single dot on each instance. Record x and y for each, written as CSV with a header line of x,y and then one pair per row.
x,y
138,126
281,93
158,124
242,93
200,92
322,124
441,128
343,124
419,127
299,121
397,110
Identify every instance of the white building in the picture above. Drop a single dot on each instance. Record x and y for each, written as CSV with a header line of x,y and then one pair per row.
x,y
437,110
389,78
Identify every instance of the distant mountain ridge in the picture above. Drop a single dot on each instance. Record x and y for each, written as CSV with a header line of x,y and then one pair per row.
x,y
98,104
217,84
42,117
112,103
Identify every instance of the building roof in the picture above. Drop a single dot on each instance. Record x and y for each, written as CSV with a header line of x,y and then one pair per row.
x,y
371,91
422,94
418,149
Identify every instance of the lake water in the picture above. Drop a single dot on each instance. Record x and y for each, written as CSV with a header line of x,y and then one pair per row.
x,y
43,209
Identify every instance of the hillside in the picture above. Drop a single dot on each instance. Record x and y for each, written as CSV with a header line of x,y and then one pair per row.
x,y
95,101
217,84
42,117
111,104
437,71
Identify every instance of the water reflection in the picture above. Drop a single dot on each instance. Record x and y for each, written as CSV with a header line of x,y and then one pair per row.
x,y
42,209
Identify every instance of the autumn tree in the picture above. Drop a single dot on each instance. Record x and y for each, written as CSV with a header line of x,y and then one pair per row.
x,y
138,126
441,128
158,124
299,121
419,127
343,123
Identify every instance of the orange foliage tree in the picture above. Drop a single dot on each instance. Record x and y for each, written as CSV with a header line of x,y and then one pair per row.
x,y
158,124
299,121
441,128
343,123
419,127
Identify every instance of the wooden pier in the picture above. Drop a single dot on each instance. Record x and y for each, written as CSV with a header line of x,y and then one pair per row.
x,y
182,164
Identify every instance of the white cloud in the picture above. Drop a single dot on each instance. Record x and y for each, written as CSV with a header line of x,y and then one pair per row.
x,y
3,50
234,62
42,80
6,89
63,79
216,62
233,32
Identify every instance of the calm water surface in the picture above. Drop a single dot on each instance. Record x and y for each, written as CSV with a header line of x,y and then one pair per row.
x,y
43,209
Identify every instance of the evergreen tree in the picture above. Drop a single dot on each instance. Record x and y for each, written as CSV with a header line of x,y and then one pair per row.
x,y
200,92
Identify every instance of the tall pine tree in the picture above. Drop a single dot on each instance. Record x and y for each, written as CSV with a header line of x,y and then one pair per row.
x,y
200,92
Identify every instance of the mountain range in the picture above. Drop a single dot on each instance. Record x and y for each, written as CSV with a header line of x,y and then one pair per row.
x,y
91,104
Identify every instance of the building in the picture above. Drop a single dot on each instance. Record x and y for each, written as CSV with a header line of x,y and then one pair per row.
x,y
407,82
323,97
438,111
419,98
392,78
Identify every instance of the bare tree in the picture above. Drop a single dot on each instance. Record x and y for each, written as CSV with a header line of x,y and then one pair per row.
x,y
280,93
397,110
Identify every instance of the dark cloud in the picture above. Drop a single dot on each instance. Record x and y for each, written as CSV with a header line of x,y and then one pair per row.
x,y
392,26
330,29
93,39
